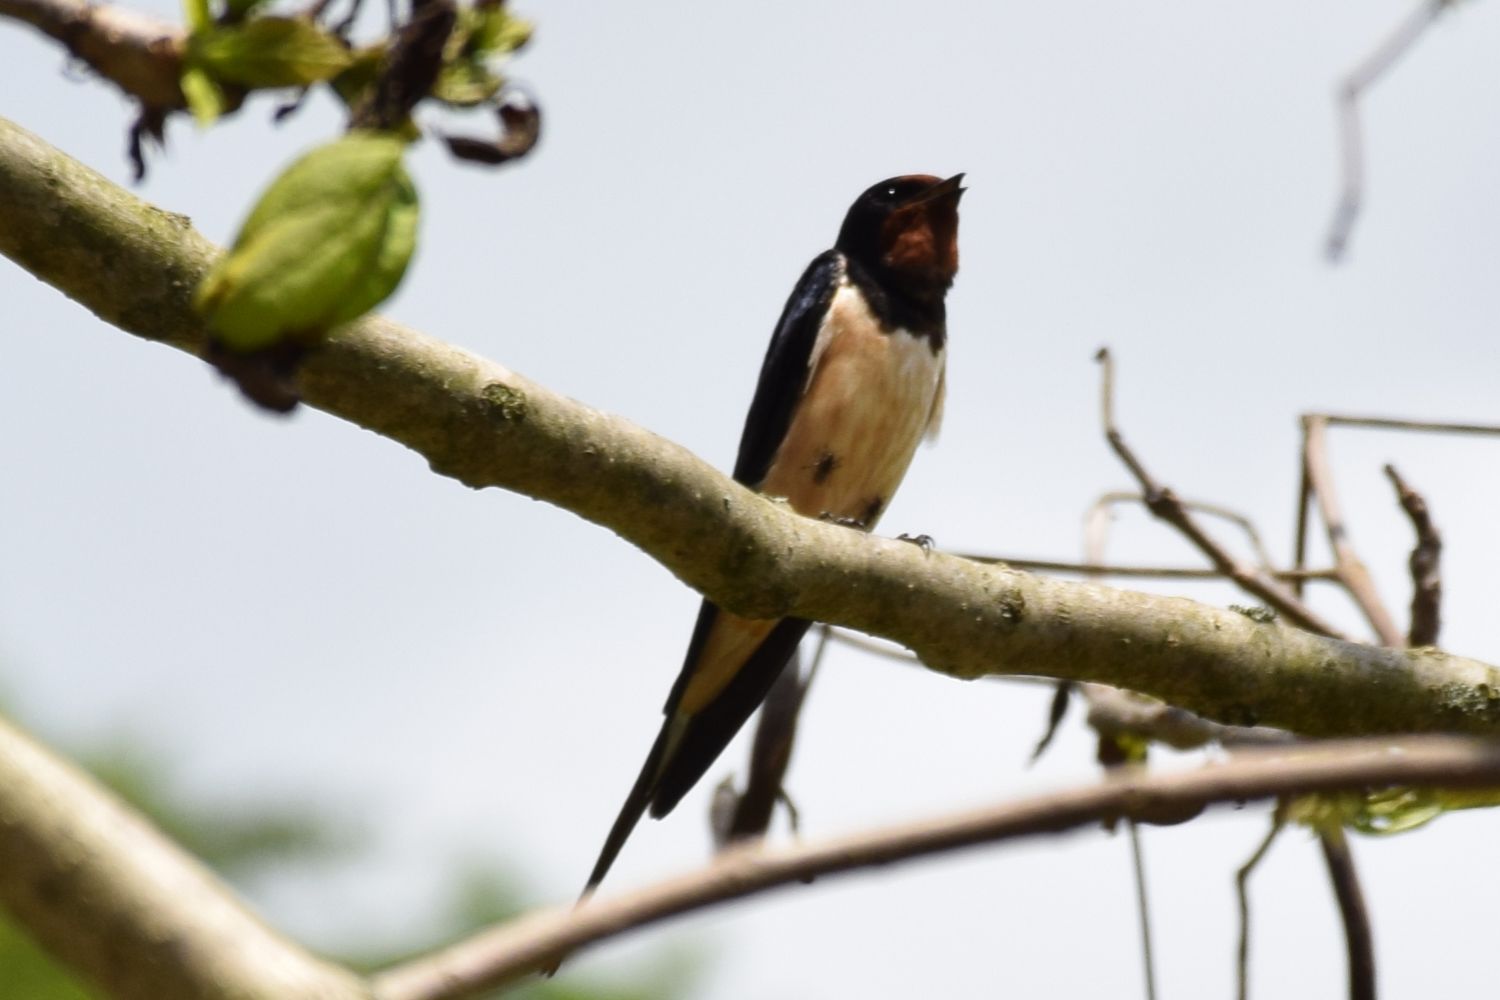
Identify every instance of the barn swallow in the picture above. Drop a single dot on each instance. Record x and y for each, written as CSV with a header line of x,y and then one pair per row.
x,y
851,384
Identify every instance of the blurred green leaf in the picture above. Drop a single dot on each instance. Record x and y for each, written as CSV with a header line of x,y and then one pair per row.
x,y
196,14
354,83
204,97
237,9
27,972
481,35
496,32
1388,810
328,241
466,84
269,52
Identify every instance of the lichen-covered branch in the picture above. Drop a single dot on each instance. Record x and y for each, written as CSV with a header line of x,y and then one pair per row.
x,y
484,425
105,892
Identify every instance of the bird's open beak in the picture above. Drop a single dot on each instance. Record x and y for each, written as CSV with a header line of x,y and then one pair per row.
x,y
952,186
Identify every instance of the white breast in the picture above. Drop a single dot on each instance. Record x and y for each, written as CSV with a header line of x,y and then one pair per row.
x,y
870,397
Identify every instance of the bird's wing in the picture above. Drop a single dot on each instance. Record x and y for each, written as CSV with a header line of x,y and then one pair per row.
x,y
785,371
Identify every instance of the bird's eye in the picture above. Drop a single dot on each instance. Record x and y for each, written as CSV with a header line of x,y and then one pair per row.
x,y
891,192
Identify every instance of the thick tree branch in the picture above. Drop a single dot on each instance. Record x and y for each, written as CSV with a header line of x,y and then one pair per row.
x,y
508,952
473,420
105,892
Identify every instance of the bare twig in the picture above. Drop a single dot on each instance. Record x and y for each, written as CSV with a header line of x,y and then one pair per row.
x,y
1353,913
1351,569
1101,506
139,54
1057,710
505,953
1396,424
1425,563
1142,908
1351,139
1304,511
1242,893
1163,503
1139,572
1352,575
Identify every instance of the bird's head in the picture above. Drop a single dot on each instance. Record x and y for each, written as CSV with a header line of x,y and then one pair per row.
x,y
905,229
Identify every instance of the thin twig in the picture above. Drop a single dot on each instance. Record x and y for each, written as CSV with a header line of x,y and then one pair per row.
x,y
1351,569
505,953
1163,503
1395,424
1142,908
1351,138
1425,564
1140,572
1358,937
1242,891
1115,498
1304,511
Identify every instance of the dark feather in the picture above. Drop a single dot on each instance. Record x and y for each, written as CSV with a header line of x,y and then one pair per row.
x,y
711,729
666,778
783,374
630,813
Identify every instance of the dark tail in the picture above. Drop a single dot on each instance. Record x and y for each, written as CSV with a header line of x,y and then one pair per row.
x,y
687,746
709,731
631,812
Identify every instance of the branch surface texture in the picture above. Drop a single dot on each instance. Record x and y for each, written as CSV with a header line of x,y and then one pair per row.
x,y
473,420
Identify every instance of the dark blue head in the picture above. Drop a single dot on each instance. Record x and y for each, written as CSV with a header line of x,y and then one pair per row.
x,y
905,231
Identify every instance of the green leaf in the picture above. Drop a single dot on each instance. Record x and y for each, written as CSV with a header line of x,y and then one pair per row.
x,y
197,14
355,82
204,98
498,33
328,241
1387,810
465,83
269,52
237,9
481,35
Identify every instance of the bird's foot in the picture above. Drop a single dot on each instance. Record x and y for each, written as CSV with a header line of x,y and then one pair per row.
x,y
923,542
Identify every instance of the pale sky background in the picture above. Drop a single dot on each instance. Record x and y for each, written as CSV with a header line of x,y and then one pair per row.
x,y
296,608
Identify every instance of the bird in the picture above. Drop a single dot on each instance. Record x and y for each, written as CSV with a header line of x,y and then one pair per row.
x,y
852,382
